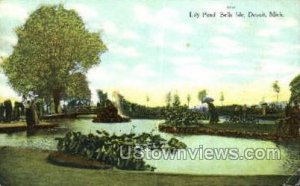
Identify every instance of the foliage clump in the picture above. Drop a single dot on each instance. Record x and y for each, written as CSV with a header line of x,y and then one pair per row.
x,y
107,111
111,149
182,116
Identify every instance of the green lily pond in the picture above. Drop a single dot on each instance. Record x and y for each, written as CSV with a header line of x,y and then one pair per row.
x,y
192,162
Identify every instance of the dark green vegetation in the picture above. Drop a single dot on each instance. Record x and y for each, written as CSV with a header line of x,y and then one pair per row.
x,y
254,131
9,113
53,53
121,151
137,111
254,110
174,113
75,161
295,89
109,114
182,116
107,111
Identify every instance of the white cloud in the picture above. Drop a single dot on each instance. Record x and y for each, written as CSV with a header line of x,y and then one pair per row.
x,y
120,66
117,76
224,29
223,42
271,67
143,71
183,28
7,92
277,49
228,62
165,18
86,12
181,47
268,32
296,47
98,73
238,22
274,26
124,51
282,23
143,14
109,28
162,18
197,73
12,10
186,60
226,46
158,39
131,35
8,40
216,6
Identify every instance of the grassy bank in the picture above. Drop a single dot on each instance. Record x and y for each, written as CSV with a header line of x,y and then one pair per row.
x,y
29,167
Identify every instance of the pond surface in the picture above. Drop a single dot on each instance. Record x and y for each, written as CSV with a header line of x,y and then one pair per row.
x,y
194,162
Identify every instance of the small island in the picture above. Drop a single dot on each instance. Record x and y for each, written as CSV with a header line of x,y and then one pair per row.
x,y
107,112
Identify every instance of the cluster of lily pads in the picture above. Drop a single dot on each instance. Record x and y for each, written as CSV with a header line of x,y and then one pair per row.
x,y
182,116
111,149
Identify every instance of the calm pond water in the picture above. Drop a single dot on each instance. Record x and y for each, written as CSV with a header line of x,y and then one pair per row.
x,y
287,164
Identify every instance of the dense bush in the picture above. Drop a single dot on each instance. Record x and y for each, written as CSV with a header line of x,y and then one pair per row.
x,y
9,113
181,115
111,149
252,110
137,111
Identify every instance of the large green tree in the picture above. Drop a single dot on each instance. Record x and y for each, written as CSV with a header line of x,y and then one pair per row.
x,y
52,45
295,89
78,88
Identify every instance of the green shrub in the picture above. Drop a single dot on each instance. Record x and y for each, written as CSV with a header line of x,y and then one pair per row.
x,y
111,149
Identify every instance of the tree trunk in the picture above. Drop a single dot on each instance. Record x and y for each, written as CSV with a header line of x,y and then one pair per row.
x,y
56,100
35,114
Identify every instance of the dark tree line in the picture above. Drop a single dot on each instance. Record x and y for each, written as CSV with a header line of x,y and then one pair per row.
x,y
9,113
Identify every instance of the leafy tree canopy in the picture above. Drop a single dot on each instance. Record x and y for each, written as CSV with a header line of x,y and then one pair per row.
x,y
176,100
52,45
202,94
78,88
295,88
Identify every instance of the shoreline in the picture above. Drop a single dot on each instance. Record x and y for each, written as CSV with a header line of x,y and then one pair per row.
x,y
21,126
213,130
19,164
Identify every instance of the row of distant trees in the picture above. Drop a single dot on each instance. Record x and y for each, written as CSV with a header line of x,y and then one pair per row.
x,y
176,99
203,93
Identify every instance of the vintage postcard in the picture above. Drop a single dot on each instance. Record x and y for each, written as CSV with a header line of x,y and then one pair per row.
x,y
149,92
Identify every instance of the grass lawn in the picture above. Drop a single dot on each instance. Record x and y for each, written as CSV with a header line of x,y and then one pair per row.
x,y
24,167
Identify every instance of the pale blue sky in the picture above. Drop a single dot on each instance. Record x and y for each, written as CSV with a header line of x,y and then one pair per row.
x,y
154,47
